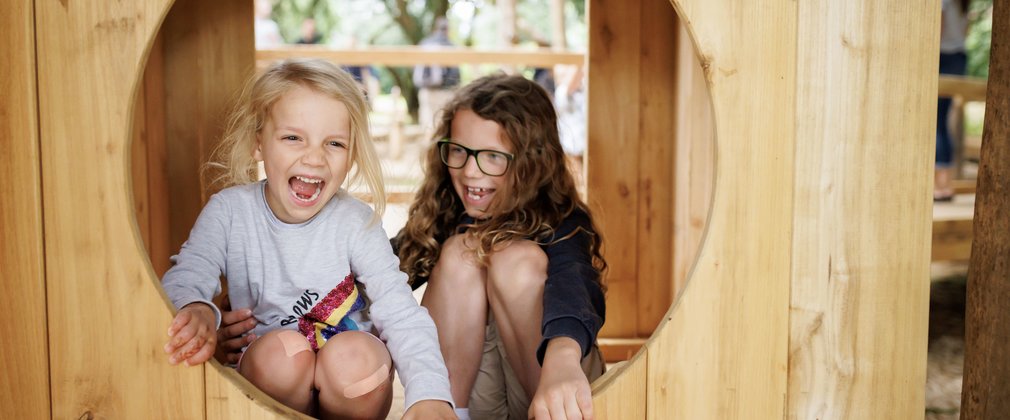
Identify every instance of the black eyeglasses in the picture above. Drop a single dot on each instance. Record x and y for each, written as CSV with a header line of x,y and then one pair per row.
x,y
490,162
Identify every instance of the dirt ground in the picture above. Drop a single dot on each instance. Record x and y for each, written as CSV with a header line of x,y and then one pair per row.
x,y
945,360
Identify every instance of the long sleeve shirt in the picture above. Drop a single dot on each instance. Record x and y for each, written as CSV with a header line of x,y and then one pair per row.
x,y
282,270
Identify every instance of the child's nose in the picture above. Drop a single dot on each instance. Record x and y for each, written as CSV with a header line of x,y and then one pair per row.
x,y
314,156
470,167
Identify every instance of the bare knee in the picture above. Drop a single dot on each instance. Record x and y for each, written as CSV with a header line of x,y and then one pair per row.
x,y
353,375
282,364
521,265
457,266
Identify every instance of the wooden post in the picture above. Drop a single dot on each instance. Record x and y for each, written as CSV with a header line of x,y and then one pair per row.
x,y
986,392
24,384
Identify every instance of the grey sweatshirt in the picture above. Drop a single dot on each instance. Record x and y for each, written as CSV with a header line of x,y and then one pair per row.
x,y
279,269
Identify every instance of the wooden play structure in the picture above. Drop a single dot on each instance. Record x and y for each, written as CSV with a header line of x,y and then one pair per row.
x,y
776,182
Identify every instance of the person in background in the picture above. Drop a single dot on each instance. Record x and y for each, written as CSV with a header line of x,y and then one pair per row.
x,y
268,34
953,60
435,83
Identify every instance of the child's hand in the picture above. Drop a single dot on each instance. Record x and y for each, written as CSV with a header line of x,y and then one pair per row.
x,y
229,336
430,409
193,335
563,392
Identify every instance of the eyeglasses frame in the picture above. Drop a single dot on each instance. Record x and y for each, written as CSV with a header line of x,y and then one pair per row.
x,y
473,152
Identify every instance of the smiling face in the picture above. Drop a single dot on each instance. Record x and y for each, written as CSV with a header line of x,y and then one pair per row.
x,y
304,149
476,189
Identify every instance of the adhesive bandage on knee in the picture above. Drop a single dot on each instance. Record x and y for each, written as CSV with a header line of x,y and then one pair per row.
x,y
293,343
368,384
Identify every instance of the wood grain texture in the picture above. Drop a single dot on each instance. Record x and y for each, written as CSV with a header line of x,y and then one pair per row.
x,y
208,56
149,160
860,265
694,162
24,385
986,392
721,353
657,146
110,318
612,154
621,393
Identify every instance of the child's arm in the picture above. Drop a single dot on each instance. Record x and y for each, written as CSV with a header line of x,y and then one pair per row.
x,y
193,335
563,389
405,327
574,305
194,279
232,335
430,409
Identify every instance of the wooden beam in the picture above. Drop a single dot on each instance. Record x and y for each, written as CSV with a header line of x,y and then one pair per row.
x,y
986,381
969,88
24,384
410,56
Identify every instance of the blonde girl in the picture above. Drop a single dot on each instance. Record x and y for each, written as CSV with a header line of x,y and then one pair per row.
x,y
308,260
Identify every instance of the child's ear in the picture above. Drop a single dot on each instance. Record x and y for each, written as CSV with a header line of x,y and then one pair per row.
x,y
257,153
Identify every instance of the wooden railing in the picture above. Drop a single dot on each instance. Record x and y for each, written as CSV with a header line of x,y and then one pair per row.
x,y
411,55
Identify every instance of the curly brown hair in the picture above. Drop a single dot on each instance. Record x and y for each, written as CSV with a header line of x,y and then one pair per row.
x,y
540,192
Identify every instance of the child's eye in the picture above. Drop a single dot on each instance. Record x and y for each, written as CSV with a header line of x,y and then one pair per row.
x,y
337,144
290,138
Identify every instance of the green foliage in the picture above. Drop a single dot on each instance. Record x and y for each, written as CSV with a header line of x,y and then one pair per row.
x,y
979,38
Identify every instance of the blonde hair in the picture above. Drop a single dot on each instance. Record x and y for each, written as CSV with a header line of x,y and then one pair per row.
x,y
539,193
233,157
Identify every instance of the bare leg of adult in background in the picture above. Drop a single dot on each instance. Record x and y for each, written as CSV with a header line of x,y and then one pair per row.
x,y
457,301
516,278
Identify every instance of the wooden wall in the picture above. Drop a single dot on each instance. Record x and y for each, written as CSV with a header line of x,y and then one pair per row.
x,y
808,298
630,156
24,385
987,355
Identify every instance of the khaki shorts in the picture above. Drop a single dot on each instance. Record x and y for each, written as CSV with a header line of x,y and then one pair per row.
x,y
497,393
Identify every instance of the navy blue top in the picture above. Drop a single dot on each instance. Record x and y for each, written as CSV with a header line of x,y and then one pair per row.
x,y
573,298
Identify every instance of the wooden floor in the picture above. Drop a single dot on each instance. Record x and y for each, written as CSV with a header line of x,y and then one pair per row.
x,y
952,224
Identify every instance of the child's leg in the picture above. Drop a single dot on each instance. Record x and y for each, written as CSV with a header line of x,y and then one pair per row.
x,y
354,377
282,364
457,301
516,277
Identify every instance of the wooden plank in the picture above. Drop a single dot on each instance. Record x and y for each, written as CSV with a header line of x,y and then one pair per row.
x,y
722,352
655,166
986,392
695,159
621,392
619,349
105,349
24,386
138,167
201,84
410,56
230,396
951,240
612,153
859,302
159,246
968,88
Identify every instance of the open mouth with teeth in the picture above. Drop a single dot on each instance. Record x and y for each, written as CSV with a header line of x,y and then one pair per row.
x,y
477,195
305,190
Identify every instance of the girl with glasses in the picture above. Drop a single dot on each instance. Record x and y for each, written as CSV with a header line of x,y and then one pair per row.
x,y
510,255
